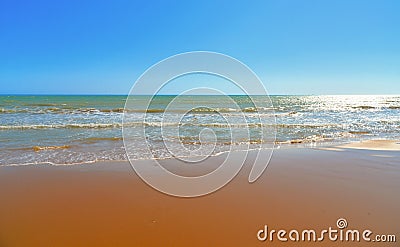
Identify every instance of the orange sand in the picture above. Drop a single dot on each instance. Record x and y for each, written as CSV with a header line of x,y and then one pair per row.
x,y
106,204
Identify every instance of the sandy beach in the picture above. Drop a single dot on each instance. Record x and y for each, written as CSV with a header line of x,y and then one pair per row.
x,y
107,204
199,124
388,145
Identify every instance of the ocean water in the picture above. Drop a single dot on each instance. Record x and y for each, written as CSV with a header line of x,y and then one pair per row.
x,y
78,129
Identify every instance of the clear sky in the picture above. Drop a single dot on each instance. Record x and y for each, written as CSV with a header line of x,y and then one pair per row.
x,y
296,47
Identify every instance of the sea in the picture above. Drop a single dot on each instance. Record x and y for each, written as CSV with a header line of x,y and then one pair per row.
x,y
75,129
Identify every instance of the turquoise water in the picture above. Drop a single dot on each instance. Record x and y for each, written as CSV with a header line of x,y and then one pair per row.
x,y
75,129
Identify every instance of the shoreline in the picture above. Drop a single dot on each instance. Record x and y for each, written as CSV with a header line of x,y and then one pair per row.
x,y
64,129
363,144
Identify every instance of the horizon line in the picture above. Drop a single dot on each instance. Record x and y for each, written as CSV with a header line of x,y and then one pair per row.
x,y
56,94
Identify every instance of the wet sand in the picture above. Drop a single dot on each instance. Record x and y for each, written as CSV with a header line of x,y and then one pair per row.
x,y
388,145
106,203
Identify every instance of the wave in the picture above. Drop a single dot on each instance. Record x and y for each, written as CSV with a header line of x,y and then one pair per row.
x,y
158,124
60,126
247,110
233,125
193,111
365,107
42,148
115,138
290,126
56,109
162,124
40,104
5,111
87,125
359,132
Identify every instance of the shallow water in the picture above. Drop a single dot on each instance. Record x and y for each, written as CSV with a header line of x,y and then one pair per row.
x,y
76,129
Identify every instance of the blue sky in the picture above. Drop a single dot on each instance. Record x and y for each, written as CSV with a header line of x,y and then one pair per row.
x,y
296,47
